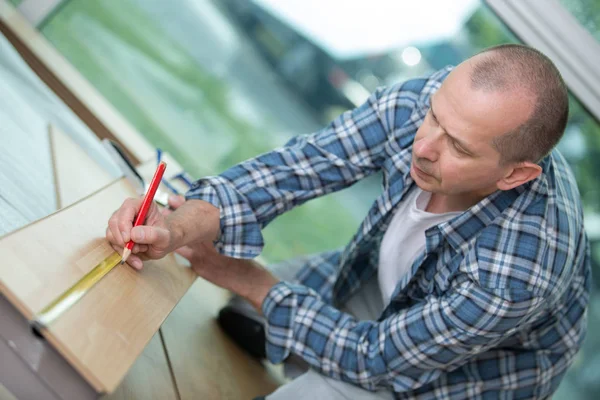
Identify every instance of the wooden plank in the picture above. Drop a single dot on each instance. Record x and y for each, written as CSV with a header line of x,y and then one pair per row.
x,y
25,164
206,363
149,378
5,394
106,331
10,218
102,118
76,175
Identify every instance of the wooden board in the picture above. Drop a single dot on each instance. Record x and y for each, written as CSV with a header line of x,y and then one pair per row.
x,y
103,334
149,378
76,175
205,362
102,118
5,394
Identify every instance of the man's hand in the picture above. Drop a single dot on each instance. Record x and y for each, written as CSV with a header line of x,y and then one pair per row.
x,y
153,240
246,278
163,231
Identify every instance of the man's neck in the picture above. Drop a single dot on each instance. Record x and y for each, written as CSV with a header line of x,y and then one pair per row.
x,y
439,203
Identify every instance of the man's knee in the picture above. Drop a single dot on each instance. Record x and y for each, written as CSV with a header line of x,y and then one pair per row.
x,y
312,385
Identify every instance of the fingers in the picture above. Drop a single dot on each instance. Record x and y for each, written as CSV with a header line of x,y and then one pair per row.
x,y
176,201
126,214
109,236
139,248
151,235
134,261
121,222
113,234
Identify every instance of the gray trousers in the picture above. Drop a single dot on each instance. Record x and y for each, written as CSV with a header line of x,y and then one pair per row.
x,y
308,384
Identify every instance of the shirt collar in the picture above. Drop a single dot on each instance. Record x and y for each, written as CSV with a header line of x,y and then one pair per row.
x,y
458,230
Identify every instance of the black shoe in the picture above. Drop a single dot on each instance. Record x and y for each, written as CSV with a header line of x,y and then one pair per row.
x,y
245,327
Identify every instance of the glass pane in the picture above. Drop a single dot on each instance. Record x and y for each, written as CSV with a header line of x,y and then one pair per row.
x,y
581,147
214,83
587,13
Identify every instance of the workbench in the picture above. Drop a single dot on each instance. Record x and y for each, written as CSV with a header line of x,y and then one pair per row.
x,y
149,335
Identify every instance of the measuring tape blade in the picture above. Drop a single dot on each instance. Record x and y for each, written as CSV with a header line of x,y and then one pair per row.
x,y
72,295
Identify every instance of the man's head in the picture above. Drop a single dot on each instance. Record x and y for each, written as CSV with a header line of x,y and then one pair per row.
x,y
493,119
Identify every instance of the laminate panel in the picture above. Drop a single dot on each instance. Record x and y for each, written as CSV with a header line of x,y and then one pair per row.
x,y
206,363
103,334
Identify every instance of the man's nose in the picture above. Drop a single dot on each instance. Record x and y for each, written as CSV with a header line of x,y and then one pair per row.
x,y
427,146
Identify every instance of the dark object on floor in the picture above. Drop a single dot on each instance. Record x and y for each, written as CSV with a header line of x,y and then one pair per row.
x,y
245,331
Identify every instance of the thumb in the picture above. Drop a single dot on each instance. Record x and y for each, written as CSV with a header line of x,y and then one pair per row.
x,y
151,235
176,201
185,252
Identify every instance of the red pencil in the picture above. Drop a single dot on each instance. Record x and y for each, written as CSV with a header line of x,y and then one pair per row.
x,y
148,199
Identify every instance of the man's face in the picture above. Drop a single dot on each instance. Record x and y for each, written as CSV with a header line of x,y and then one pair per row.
x,y
452,151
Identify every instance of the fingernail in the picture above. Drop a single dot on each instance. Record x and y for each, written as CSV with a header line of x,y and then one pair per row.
x,y
124,236
137,264
138,235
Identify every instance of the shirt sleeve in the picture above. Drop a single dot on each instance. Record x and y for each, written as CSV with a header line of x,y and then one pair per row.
x,y
404,351
252,193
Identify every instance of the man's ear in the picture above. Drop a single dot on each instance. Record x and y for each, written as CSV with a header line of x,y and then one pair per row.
x,y
519,174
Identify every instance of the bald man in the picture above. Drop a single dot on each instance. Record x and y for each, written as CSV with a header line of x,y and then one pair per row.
x,y
468,278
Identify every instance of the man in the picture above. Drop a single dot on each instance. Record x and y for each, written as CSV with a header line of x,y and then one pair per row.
x,y
475,250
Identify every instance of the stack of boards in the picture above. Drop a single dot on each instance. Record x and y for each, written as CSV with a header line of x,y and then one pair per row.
x,y
58,191
102,334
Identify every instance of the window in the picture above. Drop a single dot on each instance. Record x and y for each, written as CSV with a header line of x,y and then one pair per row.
x,y
587,13
214,83
225,89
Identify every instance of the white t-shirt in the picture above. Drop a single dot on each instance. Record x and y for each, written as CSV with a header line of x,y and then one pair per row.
x,y
404,239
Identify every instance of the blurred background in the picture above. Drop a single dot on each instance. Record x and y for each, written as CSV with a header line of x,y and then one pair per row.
x,y
216,82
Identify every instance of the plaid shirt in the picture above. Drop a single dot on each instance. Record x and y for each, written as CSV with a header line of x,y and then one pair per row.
x,y
495,307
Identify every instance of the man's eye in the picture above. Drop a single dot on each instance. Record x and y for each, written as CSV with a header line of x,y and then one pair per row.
x,y
458,148
433,120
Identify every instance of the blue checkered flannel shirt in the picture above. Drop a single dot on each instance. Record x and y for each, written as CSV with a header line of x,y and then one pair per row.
x,y
495,307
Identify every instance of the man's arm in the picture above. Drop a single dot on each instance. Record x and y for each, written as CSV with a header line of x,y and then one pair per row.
x,y
234,206
410,348
251,194
193,221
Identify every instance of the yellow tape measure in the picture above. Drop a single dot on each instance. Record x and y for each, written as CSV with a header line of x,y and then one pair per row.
x,y
72,295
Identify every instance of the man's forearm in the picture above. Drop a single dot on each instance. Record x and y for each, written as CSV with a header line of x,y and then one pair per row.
x,y
253,283
193,221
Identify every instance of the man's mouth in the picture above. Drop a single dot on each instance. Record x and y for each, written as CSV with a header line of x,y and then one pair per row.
x,y
420,171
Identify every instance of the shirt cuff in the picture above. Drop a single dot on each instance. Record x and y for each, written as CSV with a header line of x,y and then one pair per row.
x,y
240,235
280,308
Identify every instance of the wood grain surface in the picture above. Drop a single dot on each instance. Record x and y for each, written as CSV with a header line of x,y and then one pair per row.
x,y
76,175
103,334
149,378
107,330
206,363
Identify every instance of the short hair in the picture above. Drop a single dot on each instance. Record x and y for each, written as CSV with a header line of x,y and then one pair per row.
x,y
515,66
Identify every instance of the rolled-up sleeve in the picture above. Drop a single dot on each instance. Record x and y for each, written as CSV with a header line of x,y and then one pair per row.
x,y
404,351
252,193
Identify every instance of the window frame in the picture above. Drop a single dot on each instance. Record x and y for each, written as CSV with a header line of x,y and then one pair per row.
x,y
547,26
552,29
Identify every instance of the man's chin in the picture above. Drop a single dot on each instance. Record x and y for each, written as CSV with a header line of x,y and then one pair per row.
x,y
419,180
423,184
